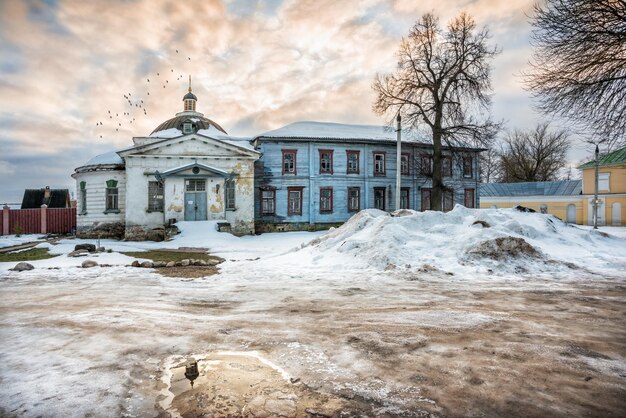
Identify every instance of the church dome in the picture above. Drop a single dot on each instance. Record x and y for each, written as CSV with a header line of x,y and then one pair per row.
x,y
176,122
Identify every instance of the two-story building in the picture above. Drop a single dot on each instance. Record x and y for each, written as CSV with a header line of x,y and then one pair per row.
x,y
304,176
312,175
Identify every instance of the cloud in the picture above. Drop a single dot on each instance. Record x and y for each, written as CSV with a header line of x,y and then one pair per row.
x,y
256,65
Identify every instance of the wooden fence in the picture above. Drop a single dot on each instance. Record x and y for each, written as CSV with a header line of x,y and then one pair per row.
x,y
38,221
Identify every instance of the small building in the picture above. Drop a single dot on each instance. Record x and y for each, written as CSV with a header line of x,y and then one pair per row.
x,y
570,200
562,199
52,198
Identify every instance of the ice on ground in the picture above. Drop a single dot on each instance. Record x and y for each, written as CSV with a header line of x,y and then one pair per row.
x,y
453,242
10,240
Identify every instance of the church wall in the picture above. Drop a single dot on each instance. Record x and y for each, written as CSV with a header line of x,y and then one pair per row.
x,y
140,224
95,222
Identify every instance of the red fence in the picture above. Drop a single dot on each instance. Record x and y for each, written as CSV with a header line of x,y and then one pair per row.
x,y
38,221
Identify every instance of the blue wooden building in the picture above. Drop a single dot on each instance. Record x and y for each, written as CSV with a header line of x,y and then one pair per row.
x,y
313,175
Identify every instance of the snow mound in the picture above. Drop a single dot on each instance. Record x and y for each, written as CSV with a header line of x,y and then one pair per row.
x,y
488,239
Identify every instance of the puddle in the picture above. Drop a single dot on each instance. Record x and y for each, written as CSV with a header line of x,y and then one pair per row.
x,y
231,383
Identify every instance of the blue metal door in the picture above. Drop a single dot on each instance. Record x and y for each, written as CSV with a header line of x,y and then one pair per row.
x,y
195,200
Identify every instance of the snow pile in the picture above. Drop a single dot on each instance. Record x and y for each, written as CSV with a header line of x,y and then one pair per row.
x,y
502,239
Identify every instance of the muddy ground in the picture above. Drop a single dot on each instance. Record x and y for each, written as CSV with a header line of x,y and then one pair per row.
x,y
111,342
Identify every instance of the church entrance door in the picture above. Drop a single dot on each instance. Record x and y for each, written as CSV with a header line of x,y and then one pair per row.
x,y
195,200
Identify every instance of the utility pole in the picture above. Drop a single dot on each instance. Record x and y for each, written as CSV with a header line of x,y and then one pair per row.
x,y
398,161
595,194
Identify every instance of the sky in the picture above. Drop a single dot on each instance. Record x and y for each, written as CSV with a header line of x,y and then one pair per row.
x,y
255,66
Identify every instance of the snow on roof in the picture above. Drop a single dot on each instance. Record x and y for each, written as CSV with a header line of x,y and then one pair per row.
x,y
108,158
538,188
167,133
329,130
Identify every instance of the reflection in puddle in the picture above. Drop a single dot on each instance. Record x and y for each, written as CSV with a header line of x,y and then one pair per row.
x,y
235,384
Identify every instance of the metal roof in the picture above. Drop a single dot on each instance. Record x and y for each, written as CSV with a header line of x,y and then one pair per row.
x,y
177,122
617,157
539,188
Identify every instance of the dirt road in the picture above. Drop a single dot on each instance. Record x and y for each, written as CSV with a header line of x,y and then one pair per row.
x,y
111,342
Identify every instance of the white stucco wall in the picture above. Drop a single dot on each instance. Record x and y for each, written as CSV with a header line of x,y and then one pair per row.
x,y
140,169
96,198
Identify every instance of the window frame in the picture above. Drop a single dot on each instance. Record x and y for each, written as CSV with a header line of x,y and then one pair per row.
x,y
351,208
358,161
384,197
322,189
272,199
384,160
230,187
331,162
151,197
300,190
407,171
470,166
443,198
423,171
295,162
426,191
83,201
406,190
115,208
446,173
465,196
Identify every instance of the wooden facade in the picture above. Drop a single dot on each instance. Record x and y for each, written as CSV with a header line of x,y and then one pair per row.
x,y
371,180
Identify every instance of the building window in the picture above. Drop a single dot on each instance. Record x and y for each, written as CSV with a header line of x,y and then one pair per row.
x,y
229,194
195,185
404,198
379,164
294,201
448,200
603,182
379,197
354,199
289,161
326,200
426,165
427,199
187,128
446,163
83,201
111,199
155,196
469,198
404,164
326,161
467,167
268,202
353,162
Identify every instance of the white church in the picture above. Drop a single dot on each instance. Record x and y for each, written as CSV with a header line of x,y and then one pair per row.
x,y
188,168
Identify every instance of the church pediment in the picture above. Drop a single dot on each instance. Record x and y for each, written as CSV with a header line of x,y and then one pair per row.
x,y
192,145
195,169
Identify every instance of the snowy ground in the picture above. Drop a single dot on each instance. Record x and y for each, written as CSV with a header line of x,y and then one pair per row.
x,y
386,316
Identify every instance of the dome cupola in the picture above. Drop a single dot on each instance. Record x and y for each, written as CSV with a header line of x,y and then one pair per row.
x,y
190,100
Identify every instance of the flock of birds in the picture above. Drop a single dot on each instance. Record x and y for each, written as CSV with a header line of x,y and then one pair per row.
x,y
136,106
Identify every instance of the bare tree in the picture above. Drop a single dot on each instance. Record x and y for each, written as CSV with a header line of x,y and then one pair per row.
x,y
490,165
579,65
537,155
442,81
